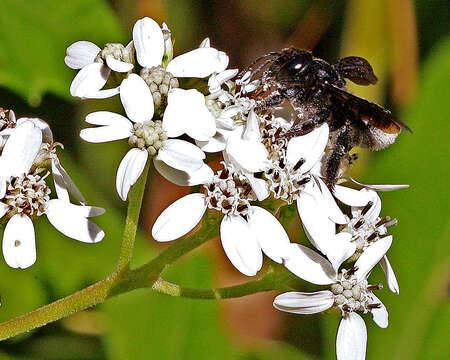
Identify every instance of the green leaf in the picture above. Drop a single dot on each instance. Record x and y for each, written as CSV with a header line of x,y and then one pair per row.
x,y
35,34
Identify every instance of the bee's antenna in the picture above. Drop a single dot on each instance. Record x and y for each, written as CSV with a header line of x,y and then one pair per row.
x,y
249,68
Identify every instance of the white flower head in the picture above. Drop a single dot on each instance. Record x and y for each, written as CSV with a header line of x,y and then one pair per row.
x,y
246,231
349,292
366,227
179,161
95,67
151,46
292,160
24,196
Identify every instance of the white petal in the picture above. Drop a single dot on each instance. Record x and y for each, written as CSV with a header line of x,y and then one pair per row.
x,y
252,128
129,170
240,245
371,256
71,220
3,209
310,266
259,186
340,249
225,120
318,226
383,187
89,80
114,127
375,210
181,155
250,156
80,54
203,175
390,275
350,196
3,183
64,183
136,98
20,150
179,218
205,43
327,202
118,65
226,75
19,248
351,340
379,315
270,234
47,135
198,63
186,112
308,147
168,45
148,41
303,302
217,143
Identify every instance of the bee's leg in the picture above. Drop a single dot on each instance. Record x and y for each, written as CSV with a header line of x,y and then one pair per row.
x,y
309,125
341,147
271,100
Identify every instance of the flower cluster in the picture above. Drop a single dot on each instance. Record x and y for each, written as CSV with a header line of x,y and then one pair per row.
x,y
180,109
27,151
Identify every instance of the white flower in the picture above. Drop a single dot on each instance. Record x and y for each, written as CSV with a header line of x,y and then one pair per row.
x,y
179,161
245,231
150,47
349,292
366,227
95,67
293,162
186,110
24,196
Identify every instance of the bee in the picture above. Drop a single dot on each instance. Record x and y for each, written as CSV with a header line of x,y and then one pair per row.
x,y
317,92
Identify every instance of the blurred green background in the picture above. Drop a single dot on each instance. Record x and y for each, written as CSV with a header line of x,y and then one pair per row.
x,y
408,45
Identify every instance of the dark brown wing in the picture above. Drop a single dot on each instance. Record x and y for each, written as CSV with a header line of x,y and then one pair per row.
x,y
366,110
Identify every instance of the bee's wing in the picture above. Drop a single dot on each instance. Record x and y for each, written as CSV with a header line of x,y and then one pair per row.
x,y
365,110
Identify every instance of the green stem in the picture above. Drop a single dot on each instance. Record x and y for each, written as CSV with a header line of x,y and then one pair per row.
x,y
271,281
147,276
122,280
131,223
83,299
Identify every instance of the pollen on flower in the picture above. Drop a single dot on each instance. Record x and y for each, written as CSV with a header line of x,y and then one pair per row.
x,y
229,192
285,181
350,295
26,194
148,135
117,51
160,82
366,230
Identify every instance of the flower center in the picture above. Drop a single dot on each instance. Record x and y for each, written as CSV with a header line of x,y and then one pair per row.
x,y
352,296
117,51
229,192
148,135
160,82
366,231
26,194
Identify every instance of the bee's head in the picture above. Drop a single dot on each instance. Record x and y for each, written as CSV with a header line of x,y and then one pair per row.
x,y
295,67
